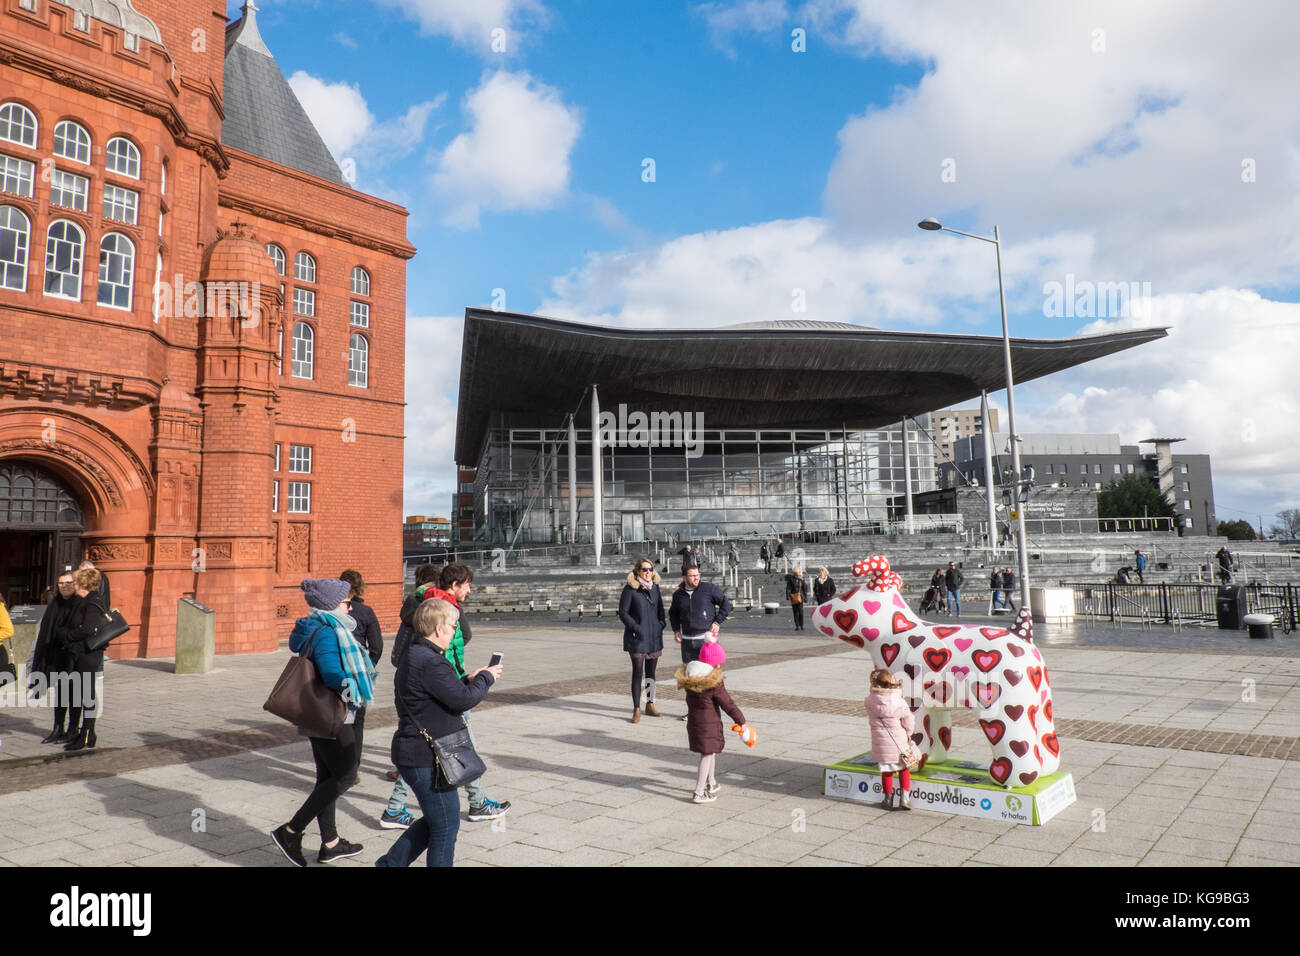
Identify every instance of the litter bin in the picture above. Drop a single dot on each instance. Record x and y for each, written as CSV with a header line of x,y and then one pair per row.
x,y
1260,626
1230,607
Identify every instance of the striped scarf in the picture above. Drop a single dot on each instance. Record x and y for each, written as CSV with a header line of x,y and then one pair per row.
x,y
358,685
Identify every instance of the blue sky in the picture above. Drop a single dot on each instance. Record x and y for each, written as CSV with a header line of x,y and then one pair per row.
x,y
1156,147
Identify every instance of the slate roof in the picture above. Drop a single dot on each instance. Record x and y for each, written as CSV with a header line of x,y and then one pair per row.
x,y
263,116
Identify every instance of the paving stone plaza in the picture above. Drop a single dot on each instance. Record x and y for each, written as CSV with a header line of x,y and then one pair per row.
x,y
1182,745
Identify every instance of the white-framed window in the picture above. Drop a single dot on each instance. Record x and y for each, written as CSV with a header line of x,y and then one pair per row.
x,y
1188,521
1096,468
15,243
116,270
162,178
18,125
71,141
304,302
1182,469
277,257
299,497
275,496
122,157
69,189
277,456
63,247
1049,467
1130,468
300,459
303,344
1187,486
1083,469
304,267
360,281
360,314
1116,468
157,286
358,361
1187,505
121,204
17,176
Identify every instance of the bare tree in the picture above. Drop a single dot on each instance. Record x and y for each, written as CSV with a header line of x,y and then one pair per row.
x,y
1288,525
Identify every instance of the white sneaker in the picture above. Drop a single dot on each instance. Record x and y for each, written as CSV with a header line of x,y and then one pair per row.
x,y
705,797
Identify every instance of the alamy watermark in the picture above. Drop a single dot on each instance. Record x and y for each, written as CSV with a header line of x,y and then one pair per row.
x,y
213,299
653,430
1083,299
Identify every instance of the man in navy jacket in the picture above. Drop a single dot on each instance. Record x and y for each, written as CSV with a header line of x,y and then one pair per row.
x,y
697,611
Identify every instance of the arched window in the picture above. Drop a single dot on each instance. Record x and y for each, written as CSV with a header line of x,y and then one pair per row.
x,y
116,270
360,281
358,361
15,241
277,256
71,141
159,290
122,157
63,248
18,125
304,267
303,342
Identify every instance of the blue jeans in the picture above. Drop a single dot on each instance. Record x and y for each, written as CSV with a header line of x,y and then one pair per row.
x,y
474,789
954,602
435,831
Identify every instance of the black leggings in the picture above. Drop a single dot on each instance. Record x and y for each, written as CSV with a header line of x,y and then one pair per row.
x,y
642,668
798,615
336,769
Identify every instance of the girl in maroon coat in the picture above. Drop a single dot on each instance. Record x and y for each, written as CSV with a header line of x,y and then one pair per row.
x,y
706,697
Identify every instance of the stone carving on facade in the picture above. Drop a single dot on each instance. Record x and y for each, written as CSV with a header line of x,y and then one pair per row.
x,y
115,552
83,462
298,547
219,549
282,610
167,551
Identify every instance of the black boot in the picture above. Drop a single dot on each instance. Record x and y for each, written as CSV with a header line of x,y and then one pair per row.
x,y
85,737
74,726
56,735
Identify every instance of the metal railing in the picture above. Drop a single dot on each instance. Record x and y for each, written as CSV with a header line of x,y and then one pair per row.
x,y
1179,603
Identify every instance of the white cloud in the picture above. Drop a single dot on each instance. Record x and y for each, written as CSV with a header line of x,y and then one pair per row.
x,y
350,130
432,385
471,22
726,20
515,155
344,39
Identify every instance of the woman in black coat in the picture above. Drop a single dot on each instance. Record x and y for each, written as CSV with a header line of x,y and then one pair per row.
x,y
50,659
641,609
823,587
796,590
87,615
430,699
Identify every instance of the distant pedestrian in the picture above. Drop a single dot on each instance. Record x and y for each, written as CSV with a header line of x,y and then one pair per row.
x,y
696,613
1224,557
939,586
706,698
891,725
796,591
84,664
688,557
779,554
765,555
432,699
50,657
953,580
641,609
1140,565
823,587
995,587
1009,589
367,634
325,636
733,556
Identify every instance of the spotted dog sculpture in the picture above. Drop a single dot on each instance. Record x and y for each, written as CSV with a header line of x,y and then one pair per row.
x,y
998,673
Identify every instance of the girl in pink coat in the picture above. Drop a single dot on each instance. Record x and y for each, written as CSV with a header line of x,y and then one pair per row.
x,y
891,729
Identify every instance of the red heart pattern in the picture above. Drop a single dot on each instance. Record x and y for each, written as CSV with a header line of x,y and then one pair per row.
x,y
986,660
942,692
1047,710
1019,747
901,623
1038,756
937,657
853,639
945,736
1000,769
1028,778
1052,744
946,630
1013,677
1014,710
993,729
993,633
888,652
1033,717
916,640
846,619
963,643
911,670
988,694
1016,650
917,737
1035,675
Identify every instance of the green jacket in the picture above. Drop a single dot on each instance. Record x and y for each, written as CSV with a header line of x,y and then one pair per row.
x,y
456,649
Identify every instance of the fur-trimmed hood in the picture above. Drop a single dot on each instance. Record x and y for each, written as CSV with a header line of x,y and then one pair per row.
x,y
634,582
697,684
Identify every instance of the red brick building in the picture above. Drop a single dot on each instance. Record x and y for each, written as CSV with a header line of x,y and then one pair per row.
x,y
201,382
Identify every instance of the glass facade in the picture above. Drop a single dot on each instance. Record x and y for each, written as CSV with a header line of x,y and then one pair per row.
x,y
727,482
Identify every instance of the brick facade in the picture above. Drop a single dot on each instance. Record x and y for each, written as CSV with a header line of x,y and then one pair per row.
x,y
164,422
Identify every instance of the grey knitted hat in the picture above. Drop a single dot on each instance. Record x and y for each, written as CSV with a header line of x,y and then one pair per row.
x,y
325,593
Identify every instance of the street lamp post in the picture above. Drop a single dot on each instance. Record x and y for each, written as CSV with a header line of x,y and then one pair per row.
x,y
1022,546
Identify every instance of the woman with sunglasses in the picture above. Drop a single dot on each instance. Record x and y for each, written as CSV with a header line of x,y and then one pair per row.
x,y
641,609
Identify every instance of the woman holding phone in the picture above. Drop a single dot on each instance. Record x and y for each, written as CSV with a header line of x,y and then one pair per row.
x,y
430,699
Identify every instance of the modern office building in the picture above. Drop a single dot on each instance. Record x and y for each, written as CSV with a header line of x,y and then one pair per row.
x,y
1093,462
953,424
756,429
197,311
422,531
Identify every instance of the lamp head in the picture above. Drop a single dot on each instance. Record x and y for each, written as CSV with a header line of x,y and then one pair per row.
x,y
930,224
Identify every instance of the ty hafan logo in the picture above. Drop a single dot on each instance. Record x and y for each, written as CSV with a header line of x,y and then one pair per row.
x,y
77,909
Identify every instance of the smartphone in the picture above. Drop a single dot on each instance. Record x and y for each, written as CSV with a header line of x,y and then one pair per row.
x,y
496,659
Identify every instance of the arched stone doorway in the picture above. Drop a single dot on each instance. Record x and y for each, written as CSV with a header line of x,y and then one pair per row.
x,y
41,524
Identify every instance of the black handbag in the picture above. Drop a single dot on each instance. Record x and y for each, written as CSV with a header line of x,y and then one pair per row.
x,y
456,757
110,628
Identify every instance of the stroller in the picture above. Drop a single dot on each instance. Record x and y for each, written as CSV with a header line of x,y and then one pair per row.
x,y
934,600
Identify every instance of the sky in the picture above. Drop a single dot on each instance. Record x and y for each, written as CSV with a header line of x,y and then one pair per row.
x,y
711,163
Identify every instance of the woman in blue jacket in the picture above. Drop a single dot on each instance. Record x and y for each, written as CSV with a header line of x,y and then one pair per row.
x,y
430,699
641,609
325,636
